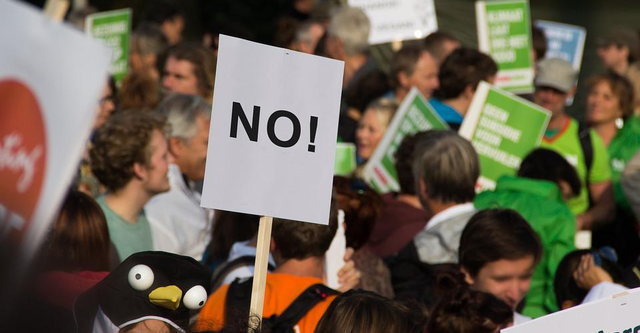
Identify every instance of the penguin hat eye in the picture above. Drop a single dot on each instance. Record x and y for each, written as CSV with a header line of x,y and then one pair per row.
x,y
195,298
140,277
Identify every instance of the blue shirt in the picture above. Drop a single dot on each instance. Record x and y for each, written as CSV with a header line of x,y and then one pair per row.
x,y
447,113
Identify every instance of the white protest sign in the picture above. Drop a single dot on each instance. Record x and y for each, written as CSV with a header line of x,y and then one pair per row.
x,y
617,314
51,77
273,132
397,20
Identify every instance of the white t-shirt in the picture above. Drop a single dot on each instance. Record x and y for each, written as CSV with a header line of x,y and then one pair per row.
x,y
241,249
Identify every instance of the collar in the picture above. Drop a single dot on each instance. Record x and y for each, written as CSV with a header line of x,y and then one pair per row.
x,y
449,213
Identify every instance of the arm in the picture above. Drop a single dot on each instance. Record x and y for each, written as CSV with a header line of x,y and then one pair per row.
x,y
603,209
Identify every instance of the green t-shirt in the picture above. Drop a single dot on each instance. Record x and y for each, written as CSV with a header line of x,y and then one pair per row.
x,y
540,203
127,238
567,143
624,145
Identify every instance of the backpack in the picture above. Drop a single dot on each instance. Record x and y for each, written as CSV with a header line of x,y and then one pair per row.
x,y
239,297
584,134
221,272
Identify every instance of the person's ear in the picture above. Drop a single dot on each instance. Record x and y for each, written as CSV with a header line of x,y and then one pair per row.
x,y
567,304
565,190
467,277
571,92
403,79
139,171
469,91
176,146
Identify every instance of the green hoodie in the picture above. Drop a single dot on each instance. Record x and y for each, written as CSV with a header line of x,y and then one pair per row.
x,y
540,203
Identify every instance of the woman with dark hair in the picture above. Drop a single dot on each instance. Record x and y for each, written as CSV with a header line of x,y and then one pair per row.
x,y
359,311
463,310
362,206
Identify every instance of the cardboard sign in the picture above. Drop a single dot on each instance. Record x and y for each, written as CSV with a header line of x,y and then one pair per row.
x,y
414,115
504,32
39,100
564,41
273,132
503,129
617,314
398,20
345,159
113,28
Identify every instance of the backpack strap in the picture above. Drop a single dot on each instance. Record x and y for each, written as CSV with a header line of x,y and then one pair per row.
x,y
239,297
300,307
587,147
223,270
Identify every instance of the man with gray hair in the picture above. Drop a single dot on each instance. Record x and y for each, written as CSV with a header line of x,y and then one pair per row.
x,y
348,40
446,168
178,223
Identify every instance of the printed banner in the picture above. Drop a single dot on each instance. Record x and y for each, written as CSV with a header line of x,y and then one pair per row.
x,y
504,32
113,28
414,115
503,129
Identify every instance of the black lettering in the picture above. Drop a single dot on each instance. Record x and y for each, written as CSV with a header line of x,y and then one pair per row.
x,y
271,128
238,113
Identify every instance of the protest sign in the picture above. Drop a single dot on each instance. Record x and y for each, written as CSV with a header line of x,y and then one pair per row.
x,y
113,29
503,129
39,151
272,142
564,41
397,20
504,32
273,132
616,314
415,114
345,159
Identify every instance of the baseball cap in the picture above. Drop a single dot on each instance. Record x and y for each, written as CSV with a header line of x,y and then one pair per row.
x,y
556,73
622,37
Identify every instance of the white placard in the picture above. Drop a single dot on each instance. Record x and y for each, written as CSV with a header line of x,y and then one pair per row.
x,y
51,77
264,156
618,313
397,20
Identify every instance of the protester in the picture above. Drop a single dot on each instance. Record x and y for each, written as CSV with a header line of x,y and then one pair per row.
x,y
347,39
619,52
373,125
545,178
361,207
178,223
459,77
554,83
298,249
147,43
440,45
539,43
139,92
307,36
402,216
360,311
131,159
190,69
413,66
498,253
445,169
630,181
463,310
231,234
610,103
168,15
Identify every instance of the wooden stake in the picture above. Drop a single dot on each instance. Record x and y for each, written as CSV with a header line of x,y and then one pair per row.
x,y
56,9
260,272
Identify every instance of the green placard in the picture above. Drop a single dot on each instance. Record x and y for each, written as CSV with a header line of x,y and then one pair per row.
x,y
345,159
113,28
503,129
414,115
504,32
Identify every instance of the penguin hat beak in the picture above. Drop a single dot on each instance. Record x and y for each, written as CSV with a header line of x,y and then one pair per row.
x,y
168,297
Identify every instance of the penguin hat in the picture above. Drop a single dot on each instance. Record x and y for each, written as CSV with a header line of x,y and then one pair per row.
x,y
147,285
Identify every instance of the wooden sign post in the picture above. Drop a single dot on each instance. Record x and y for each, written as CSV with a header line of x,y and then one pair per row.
x,y
260,272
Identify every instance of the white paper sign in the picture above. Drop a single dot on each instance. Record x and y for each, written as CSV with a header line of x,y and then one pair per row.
x,y
618,314
51,77
396,20
273,132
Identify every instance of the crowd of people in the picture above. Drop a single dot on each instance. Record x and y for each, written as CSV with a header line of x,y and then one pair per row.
x,y
132,250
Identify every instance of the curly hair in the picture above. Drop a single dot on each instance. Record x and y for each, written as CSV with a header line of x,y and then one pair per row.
x,y
122,141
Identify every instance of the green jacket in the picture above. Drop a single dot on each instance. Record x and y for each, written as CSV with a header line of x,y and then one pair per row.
x,y
624,145
540,203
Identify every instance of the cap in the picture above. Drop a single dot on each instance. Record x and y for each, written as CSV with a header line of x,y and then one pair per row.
x,y
556,73
622,37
